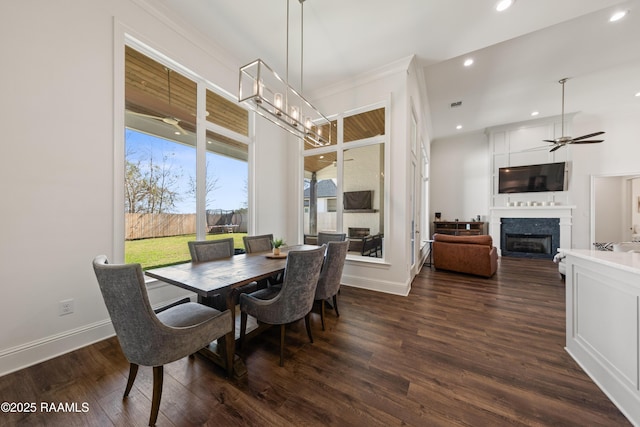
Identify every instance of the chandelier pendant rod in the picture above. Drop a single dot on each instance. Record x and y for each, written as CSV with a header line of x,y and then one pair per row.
x,y
286,77
562,117
301,44
288,108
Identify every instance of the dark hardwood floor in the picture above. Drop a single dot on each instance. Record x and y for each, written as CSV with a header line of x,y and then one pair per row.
x,y
459,350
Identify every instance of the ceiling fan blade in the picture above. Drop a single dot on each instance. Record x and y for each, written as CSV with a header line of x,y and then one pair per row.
x,y
182,131
590,141
145,115
542,147
549,140
556,147
587,136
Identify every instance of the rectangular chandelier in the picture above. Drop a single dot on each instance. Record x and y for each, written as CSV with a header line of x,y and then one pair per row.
x,y
265,92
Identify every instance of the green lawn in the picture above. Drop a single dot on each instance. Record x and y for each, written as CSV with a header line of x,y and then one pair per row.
x,y
163,251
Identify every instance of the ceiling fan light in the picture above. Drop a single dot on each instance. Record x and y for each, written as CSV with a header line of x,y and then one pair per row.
x,y
618,15
503,5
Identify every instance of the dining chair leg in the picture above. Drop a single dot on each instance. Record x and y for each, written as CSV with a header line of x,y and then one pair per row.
x,y
133,371
243,328
282,345
335,304
158,372
307,322
322,313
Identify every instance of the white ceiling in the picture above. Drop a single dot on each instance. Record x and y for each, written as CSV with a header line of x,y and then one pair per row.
x,y
519,54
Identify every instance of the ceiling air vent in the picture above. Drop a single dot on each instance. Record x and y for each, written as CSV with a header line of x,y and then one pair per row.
x,y
456,104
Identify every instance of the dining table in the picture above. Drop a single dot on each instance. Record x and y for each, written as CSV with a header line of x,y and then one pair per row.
x,y
209,278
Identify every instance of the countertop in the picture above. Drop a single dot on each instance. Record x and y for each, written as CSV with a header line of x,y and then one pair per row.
x,y
627,261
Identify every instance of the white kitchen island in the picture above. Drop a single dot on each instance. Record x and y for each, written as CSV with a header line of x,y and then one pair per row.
x,y
603,322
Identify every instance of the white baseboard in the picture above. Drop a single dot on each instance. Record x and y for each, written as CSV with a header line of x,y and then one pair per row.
x,y
29,354
388,287
22,356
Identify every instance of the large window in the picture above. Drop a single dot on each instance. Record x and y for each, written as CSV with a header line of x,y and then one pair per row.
x,y
161,184
344,183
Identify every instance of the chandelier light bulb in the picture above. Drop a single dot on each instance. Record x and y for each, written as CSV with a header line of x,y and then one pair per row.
x,y
277,102
258,88
295,114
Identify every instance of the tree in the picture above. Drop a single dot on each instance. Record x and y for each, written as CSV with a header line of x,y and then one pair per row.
x,y
211,185
134,188
151,187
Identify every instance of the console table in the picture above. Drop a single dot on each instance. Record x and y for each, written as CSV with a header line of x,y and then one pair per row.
x,y
460,228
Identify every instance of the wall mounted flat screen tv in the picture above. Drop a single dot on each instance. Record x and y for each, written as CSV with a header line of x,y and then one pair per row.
x,y
533,178
357,200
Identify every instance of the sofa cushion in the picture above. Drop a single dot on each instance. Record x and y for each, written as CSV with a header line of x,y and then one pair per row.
x,y
483,239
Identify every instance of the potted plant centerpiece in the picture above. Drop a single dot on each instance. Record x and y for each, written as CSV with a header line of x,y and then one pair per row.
x,y
276,246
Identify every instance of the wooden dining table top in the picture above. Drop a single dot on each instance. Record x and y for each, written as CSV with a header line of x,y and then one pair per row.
x,y
208,277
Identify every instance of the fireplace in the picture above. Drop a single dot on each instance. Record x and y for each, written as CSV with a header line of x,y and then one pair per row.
x,y
558,214
528,243
530,237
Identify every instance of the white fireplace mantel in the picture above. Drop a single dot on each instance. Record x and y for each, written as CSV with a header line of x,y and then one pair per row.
x,y
562,212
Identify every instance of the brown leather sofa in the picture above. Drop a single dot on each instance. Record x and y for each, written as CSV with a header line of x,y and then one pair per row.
x,y
465,254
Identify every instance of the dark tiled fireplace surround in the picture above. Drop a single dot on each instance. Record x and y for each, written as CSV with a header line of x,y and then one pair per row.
x,y
529,237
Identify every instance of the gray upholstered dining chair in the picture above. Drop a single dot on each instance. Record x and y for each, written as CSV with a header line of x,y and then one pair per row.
x,y
151,339
290,303
209,250
329,281
261,243
324,237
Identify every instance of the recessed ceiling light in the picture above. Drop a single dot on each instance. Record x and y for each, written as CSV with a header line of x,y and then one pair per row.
x,y
177,132
503,5
618,15
638,94
468,62
459,127
535,113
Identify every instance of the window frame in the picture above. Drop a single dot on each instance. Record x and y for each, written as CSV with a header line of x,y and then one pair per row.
x,y
339,148
123,38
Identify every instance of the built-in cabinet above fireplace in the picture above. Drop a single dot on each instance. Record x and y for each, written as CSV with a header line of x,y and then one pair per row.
x,y
534,213
521,144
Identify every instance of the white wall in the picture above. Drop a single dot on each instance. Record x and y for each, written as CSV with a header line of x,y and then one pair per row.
x,y
460,177
388,84
57,164
610,193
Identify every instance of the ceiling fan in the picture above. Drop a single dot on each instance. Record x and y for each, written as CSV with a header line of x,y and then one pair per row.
x,y
168,120
564,140
173,121
333,162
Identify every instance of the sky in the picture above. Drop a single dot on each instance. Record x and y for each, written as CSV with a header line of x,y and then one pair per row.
x,y
231,174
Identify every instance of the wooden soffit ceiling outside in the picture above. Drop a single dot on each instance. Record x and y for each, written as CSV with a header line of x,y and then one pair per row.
x,y
152,88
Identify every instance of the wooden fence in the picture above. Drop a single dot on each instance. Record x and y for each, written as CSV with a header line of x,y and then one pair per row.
x,y
142,226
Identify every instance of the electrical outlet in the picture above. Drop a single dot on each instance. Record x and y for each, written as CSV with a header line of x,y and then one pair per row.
x,y
65,307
